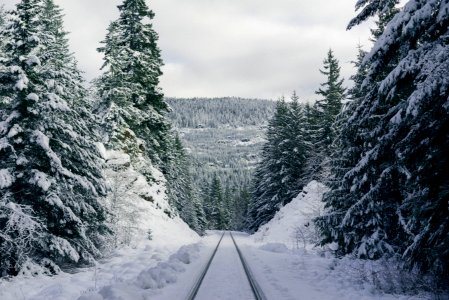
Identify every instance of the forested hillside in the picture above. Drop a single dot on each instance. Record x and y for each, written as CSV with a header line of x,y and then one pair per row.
x,y
223,137
219,112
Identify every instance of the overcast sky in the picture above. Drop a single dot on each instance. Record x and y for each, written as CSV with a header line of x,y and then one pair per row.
x,y
247,48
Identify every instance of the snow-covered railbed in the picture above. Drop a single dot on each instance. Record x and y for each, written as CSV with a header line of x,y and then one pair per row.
x,y
298,274
226,277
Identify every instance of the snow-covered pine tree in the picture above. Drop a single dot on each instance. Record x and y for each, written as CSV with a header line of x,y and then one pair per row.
x,y
325,112
346,152
214,205
399,185
179,183
279,176
240,210
225,209
265,200
132,106
296,149
3,20
51,179
369,8
200,214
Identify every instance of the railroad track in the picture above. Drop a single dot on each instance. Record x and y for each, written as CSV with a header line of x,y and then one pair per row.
x,y
255,288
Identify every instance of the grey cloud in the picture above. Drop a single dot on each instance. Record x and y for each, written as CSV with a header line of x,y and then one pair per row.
x,y
249,48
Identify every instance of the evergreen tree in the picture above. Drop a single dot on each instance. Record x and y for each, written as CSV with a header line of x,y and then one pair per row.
x,y
356,91
4,101
51,179
200,215
296,149
240,210
370,8
266,200
280,175
346,152
214,205
132,106
225,213
179,183
326,110
394,197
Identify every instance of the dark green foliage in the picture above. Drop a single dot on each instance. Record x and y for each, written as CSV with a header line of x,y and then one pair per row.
x,y
279,175
132,106
370,8
215,207
239,209
180,190
324,114
390,194
51,180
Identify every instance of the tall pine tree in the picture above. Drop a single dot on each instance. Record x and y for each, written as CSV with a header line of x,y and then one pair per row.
x,y
394,197
133,106
51,179
325,112
280,174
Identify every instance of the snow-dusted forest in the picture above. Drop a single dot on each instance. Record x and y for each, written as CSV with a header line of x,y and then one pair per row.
x,y
111,190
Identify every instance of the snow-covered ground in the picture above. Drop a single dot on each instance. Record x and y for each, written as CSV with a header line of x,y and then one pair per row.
x,y
285,265
127,265
226,278
140,210
287,274
292,225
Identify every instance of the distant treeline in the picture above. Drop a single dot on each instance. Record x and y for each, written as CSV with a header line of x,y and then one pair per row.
x,y
218,112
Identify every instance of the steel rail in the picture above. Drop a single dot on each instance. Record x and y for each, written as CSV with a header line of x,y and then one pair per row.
x,y
257,291
196,287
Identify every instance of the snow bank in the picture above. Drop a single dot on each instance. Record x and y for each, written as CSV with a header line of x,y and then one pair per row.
x,y
153,278
292,225
165,272
307,275
274,247
141,210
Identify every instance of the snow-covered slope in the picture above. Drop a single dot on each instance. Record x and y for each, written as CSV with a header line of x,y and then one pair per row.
x,y
292,224
137,208
140,209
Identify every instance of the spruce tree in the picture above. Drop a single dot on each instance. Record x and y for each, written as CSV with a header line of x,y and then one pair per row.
x,y
179,183
51,180
280,175
296,148
200,215
133,107
240,209
214,212
394,197
4,101
326,110
265,201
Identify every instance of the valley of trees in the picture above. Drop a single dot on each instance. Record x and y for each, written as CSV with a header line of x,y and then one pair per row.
x,y
224,151
380,146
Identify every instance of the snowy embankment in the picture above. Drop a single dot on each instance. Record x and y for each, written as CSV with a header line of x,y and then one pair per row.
x,y
288,265
140,212
292,225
